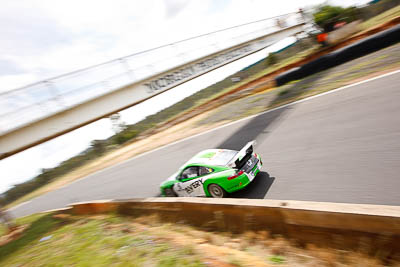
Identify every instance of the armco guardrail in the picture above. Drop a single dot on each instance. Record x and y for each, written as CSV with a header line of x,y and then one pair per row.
x,y
337,225
345,54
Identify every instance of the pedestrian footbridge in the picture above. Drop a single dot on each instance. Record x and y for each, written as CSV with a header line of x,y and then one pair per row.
x,y
39,112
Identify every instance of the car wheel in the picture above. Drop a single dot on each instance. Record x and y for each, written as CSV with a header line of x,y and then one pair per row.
x,y
216,191
169,192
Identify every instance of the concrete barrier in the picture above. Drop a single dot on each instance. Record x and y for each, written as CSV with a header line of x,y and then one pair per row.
x,y
94,207
337,225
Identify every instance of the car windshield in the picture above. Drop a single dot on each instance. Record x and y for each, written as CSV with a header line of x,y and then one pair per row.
x,y
222,158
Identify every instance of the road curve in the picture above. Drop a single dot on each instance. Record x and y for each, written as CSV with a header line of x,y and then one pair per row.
x,y
343,146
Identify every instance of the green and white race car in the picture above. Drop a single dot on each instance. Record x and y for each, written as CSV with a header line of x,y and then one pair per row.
x,y
214,173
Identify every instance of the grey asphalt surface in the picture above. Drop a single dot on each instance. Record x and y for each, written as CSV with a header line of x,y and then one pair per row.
x,y
339,147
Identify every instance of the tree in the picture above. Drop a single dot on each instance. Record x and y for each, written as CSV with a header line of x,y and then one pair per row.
x,y
326,16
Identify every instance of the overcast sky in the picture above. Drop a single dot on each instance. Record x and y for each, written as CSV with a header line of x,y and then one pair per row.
x,y
41,39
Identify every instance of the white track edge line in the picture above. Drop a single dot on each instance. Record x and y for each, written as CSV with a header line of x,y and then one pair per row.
x,y
237,121
19,205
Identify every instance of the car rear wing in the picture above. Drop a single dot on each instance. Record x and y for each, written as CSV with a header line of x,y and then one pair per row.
x,y
242,156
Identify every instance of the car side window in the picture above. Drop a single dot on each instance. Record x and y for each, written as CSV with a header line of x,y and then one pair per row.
x,y
205,170
190,172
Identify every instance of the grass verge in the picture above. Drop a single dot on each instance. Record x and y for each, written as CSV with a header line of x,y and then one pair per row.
x,y
380,19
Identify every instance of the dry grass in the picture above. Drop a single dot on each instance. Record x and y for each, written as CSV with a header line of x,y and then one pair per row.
x,y
102,240
380,19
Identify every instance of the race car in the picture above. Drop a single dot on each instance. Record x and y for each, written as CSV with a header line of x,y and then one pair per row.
x,y
214,173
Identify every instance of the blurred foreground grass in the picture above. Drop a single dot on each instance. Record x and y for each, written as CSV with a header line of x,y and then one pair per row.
x,y
112,240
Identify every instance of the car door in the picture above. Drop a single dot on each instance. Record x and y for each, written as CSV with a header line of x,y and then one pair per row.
x,y
190,183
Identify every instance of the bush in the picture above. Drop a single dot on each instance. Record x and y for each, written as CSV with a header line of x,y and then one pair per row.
x,y
271,59
124,136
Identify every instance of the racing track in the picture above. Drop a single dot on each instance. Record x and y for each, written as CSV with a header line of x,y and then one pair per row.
x,y
343,146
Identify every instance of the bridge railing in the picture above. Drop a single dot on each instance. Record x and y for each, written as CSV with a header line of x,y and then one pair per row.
x,y
39,100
